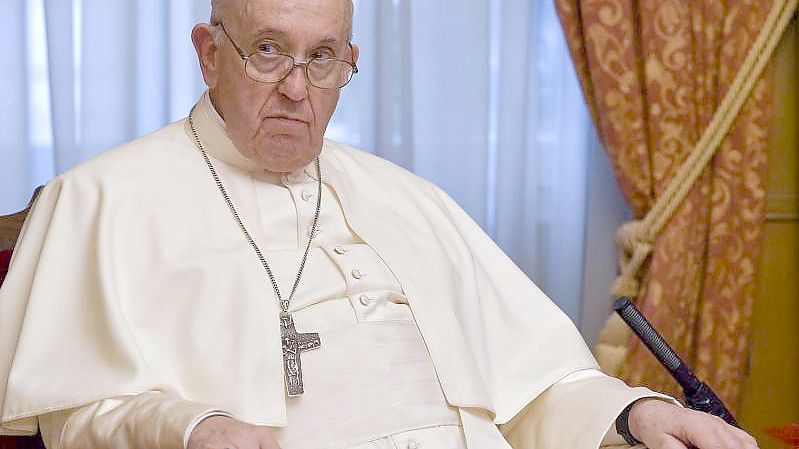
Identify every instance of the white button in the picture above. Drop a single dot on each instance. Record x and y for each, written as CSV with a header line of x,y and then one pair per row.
x,y
365,300
340,249
413,445
356,273
306,195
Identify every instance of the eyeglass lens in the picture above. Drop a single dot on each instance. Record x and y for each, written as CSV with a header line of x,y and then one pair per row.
x,y
322,73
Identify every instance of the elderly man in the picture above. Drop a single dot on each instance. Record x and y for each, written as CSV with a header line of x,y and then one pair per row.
x,y
235,281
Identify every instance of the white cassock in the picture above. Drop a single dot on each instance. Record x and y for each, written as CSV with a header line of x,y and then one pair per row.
x,y
135,307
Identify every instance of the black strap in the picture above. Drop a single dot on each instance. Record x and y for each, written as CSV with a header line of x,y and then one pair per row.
x,y
623,426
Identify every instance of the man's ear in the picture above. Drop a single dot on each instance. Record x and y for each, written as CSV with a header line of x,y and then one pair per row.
x,y
202,37
356,51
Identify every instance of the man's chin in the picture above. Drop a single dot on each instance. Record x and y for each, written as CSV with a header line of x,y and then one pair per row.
x,y
283,167
284,159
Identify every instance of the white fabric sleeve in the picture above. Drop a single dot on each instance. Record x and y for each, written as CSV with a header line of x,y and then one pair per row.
x,y
197,421
612,437
578,412
144,420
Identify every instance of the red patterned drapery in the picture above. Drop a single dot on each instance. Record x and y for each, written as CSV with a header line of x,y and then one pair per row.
x,y
653,73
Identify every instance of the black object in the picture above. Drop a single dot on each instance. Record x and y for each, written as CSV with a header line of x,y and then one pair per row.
x,y
698,395
623,426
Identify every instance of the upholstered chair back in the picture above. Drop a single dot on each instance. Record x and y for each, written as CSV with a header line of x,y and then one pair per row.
x,y
10,225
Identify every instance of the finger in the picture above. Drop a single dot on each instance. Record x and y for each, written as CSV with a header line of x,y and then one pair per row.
x,y
666,442
747,440
726,438
266,440
737,437
269,445
712,432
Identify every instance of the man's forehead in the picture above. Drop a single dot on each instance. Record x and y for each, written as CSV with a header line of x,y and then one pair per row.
x,y
281,34
270,16
240,4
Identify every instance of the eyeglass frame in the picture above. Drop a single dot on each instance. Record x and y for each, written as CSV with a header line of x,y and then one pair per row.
x,y
304,64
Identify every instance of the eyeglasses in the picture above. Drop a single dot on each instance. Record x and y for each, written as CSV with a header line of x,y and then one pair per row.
x,y
266,67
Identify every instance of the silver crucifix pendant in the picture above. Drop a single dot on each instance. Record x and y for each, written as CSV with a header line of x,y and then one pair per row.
x,y
294,344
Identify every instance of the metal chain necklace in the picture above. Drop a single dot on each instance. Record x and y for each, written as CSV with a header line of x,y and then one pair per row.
x,y
293,343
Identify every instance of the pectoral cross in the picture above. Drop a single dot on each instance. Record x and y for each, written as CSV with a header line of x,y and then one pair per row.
x,y
294,344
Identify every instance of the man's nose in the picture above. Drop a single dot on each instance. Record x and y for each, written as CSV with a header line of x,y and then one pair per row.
x,y
294,85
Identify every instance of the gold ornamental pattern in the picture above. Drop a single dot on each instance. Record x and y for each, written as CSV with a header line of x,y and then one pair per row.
x,y
653,73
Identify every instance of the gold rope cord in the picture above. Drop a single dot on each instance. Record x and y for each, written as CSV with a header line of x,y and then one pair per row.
x,y
636,238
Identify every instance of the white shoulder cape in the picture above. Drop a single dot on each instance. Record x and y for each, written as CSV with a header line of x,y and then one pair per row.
x,y
131,276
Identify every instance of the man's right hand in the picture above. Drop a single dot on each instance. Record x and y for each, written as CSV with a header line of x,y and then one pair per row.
x,y
222,432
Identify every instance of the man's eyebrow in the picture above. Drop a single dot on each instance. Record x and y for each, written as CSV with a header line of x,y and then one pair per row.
x,y
264,32
332,40
270,32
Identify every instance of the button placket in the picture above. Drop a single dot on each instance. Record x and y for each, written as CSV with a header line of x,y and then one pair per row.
x,y
365,300
348,262
303,196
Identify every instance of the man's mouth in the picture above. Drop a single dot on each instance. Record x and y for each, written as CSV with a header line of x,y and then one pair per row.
x,y
288,119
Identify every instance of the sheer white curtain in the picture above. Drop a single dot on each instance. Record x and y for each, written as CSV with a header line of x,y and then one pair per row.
x,y
480,96
82,76
477,95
